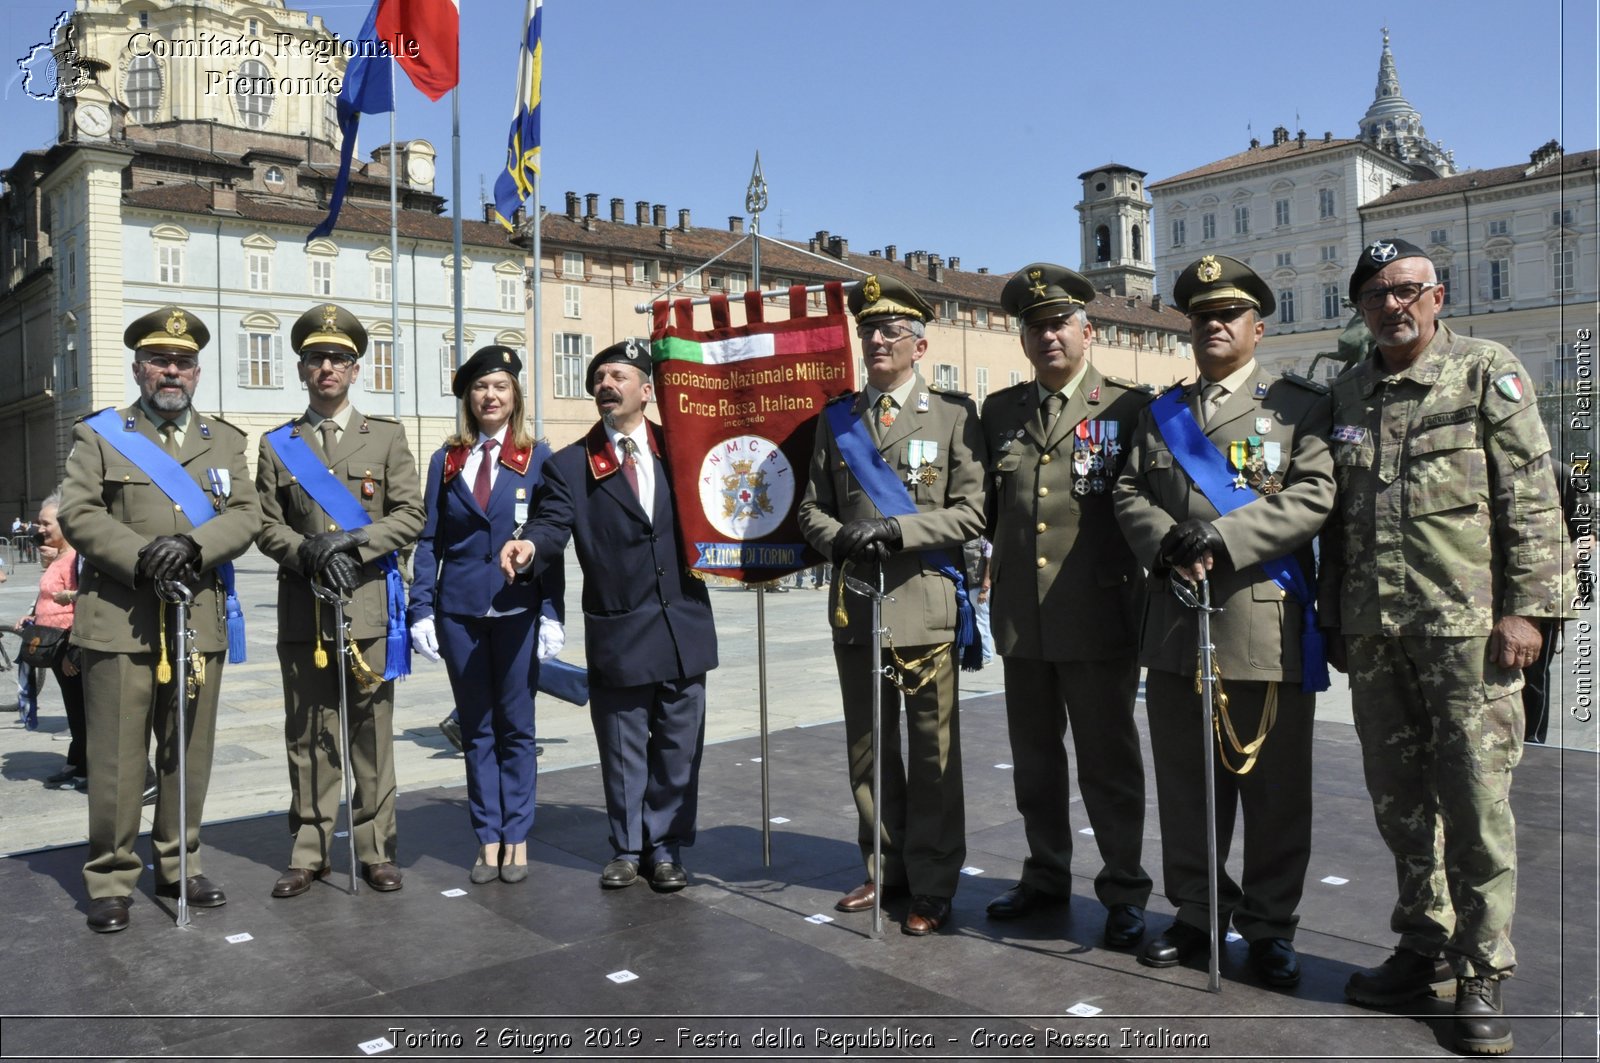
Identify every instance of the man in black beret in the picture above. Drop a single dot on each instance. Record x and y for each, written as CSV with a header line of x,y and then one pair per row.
x,y
1228,480
1066,593
648,631
305,530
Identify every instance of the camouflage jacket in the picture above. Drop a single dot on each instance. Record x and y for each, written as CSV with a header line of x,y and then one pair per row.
x,y
1448,514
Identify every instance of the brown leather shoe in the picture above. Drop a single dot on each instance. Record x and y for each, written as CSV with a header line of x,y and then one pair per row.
x,y
109,914
202,892
297,880
860,898
928,914
384,877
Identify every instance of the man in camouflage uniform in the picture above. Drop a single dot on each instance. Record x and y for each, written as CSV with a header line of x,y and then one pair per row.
x,y
1444,476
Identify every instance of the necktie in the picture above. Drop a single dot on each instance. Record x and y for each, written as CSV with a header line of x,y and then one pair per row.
x,y
169,437
886,413
1051,409
1211,398
330,437
480,484
630,464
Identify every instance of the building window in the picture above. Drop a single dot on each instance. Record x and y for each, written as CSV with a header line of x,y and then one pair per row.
x,y
1562,269
144,89
983,382
1443,275
1439,236
509,290
72,269
1285,259
1325,203
1330,301
1560,218
572,354
980,316
382,281
646,272
1499,278
1178,232
258,265
260,360
1330,252
1286,306
1208,226
1016,377
274,177
691,282
571,300
254,27
1136,237
380,366
1241,220
169,263
946,376
252,93
1280,213
738,283
572,264
1500,227
322,276
330,117
1102,244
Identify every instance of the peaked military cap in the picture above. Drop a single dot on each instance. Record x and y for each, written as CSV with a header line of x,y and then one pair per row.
x,y
1218,282
634,352
1377,255
485,360
170,327
328,326
1044,289
879,296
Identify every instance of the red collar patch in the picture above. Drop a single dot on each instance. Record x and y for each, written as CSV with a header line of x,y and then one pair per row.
x,y
455,459
516,459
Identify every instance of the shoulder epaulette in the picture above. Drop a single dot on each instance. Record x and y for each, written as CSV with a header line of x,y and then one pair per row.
x,y
1179,384
949,393
1130,385
214,419
846,397
1306,382
380,417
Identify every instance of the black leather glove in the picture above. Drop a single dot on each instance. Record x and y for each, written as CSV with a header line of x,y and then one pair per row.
x,y
168,557
1188,541
872,539
316,549
343,573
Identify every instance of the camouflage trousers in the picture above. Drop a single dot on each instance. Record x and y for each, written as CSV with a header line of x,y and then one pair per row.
x,y
1441,729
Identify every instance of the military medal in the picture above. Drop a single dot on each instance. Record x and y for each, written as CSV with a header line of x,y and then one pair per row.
x,y
1263,425
927,475
1237,449
221,483
1111,428
1349,433
1272,458
920,456
1082,449
369,488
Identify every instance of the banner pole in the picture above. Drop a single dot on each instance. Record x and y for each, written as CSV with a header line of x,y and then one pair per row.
x,y
755,201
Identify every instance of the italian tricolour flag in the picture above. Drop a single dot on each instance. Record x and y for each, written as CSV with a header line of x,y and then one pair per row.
x,y
788,343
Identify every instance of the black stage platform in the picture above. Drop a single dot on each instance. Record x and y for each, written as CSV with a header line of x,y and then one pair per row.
x,y
555,967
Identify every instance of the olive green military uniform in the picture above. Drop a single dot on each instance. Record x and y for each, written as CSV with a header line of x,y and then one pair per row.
x,y
1449,518
924,821
1257,639
373,462
110,509
1065,594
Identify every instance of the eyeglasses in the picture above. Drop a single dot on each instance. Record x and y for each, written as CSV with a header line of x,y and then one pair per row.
x,y
1404,294
176,362
890,333
316,361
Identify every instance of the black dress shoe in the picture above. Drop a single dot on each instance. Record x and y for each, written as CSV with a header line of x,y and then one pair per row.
x,y
1480,1026
668,876
202,892
619,873
109,914
296,880
1180,942
1124,926
927,915
1275,962
1404,976
1020,900
450,727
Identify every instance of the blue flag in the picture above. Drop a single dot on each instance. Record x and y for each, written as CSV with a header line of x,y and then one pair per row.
x,y
515,183
367,89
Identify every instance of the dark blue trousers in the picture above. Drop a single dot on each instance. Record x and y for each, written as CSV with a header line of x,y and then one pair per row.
x,y
650,740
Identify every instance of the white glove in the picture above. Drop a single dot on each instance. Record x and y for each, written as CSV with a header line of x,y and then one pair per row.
x,y
424,639
552,636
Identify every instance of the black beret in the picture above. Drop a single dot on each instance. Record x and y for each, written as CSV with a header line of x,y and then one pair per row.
x,y
485,360
328,325
1218,282
170,327
1377,255
1044,289
634,352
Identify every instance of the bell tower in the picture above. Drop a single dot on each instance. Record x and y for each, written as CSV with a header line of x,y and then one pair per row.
x,y
1115,231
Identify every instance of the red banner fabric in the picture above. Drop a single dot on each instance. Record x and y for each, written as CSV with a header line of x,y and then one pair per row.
x,y
739,407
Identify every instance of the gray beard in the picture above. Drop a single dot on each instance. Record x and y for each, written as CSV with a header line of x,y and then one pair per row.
x,y
169,403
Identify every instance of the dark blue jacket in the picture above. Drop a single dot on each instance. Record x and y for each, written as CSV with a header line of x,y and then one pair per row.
x,y
646,617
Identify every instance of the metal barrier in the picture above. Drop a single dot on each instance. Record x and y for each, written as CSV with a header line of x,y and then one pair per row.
x,y
18,550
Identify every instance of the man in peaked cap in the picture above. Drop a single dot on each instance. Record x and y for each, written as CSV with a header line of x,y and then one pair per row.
x,y
1228,480
134,534
305,530
1066,595
648,631
930,438
1445,477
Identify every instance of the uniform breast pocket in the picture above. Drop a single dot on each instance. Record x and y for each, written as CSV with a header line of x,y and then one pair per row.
x,y
1004,475
926,480
366,483
1445,467
122,487
1351,462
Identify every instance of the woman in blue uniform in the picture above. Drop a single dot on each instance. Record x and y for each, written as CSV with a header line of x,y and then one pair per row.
x,y
492,635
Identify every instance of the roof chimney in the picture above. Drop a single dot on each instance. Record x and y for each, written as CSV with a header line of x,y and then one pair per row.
x,y
736,223
489,212
1255,142
955,263
889,252
1155,300
683,220
839,248
935,268
822,239
658,215
1327,137
1300,138
641,212
1280,135
224,197
983,270
617,210
572,205
666,238
874,253
591,204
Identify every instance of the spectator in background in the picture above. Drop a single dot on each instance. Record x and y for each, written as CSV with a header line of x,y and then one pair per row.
x,y
58,590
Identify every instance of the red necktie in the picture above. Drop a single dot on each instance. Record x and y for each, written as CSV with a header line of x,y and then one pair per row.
x,y
630,464
480,485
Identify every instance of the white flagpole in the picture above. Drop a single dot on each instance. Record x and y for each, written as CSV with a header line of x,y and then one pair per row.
x,y
536,348
455,202
394,249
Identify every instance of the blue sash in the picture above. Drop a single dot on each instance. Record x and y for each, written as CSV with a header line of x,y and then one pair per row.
x,y
1208,470
326,491
174,481
889,494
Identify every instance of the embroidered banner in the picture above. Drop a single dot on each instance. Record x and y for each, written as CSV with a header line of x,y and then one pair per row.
x,y
739,406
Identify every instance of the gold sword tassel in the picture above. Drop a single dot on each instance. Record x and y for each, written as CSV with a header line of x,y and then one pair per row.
x,y
319,656
164,666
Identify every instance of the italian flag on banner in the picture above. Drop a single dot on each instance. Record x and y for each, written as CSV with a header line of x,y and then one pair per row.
x,y
739,407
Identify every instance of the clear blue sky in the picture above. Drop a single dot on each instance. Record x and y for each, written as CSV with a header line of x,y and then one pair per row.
x,y
955,128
